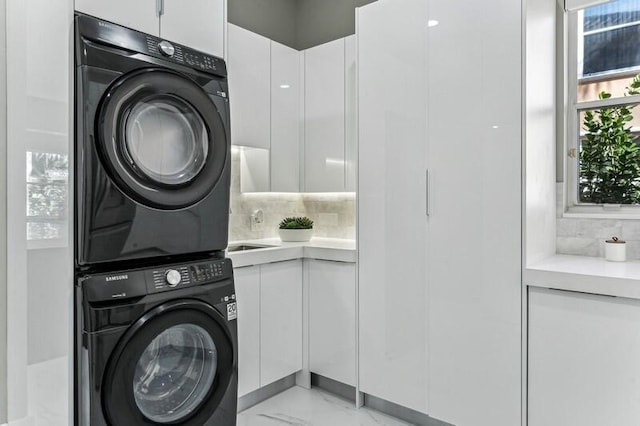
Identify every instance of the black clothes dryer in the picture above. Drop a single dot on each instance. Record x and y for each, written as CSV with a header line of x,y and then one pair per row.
x,y
152,147
157,346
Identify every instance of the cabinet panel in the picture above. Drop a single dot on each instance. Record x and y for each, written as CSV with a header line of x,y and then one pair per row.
x,y
332,320
474,253
249,66
392,194
285,118
140,15
324,117
198,24
351,114
281,320
583,359
247,281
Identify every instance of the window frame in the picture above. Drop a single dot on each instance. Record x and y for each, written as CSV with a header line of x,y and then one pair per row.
x,y
573,207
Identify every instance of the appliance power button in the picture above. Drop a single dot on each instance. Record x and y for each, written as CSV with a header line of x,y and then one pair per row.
x,y
173,277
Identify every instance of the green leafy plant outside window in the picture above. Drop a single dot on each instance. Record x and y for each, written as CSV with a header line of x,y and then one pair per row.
x,y
609,155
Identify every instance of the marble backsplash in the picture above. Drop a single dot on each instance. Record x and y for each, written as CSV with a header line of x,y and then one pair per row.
x,y
334,214
585,237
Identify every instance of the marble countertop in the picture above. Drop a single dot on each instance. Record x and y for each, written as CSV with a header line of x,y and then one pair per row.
x,y
334,249
587,275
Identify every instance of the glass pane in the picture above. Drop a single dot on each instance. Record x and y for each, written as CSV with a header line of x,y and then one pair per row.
x,y
166,140
47,192
609,161
608,57
175,373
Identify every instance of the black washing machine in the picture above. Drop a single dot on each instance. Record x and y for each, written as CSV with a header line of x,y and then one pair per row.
x,y
152,147
157,346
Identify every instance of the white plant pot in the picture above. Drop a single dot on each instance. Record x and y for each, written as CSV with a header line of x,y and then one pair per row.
x,y
615,252
295,235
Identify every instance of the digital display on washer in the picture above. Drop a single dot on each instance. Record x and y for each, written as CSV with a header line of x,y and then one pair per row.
x,y
206,272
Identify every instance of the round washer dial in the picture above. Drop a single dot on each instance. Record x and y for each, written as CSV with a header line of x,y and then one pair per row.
x,y
173,277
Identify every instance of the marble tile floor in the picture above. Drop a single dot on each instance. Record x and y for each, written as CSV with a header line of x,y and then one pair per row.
x,y
302,407
293,407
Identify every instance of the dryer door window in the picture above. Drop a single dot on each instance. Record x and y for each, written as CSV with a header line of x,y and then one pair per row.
x,y
166,140
173,366
161,138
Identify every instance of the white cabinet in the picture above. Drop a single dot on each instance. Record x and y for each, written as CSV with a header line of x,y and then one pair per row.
x,y
280,320
269,323
198,24
285,118
264,86
324,117
332,320
474,231
440,299
249,66
247,281
140,15
584,353
392,164
351,113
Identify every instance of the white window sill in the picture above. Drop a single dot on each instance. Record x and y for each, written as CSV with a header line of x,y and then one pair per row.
x,y
586,274
602,215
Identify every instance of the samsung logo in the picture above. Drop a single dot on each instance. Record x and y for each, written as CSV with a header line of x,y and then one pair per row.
x,y
105,25
117,277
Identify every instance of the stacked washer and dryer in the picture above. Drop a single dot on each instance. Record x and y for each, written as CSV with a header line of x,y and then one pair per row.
x,y
155,312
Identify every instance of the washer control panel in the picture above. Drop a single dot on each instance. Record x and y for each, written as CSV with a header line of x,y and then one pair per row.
x,y
177,276
166,278
140,282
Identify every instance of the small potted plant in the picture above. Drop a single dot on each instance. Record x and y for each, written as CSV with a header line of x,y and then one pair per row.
x,y
296,229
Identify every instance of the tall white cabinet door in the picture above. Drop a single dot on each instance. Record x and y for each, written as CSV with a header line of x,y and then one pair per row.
x,y
249,68
392,194
139,15
332,320
351,113
324,119
199,24
583,359
247,281
281,320
474,274
285,118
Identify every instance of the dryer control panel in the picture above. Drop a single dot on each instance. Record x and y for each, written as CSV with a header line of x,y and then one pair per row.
x,y
141,282
104,32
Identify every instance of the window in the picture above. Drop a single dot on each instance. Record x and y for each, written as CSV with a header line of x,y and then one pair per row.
x,y
47,195
604,114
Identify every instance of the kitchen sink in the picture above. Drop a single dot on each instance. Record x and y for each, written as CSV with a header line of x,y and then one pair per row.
x,y
245,247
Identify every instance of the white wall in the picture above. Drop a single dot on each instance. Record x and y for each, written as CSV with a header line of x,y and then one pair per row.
x,y
3,216
540,129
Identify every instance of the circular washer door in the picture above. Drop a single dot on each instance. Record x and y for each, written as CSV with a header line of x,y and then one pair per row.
x,y
161,138
174,364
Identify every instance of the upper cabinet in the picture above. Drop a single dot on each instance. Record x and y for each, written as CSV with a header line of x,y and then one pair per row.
x,y
293,114
249,65
141,15
198,24
324,117
329,117
285,118
264,89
